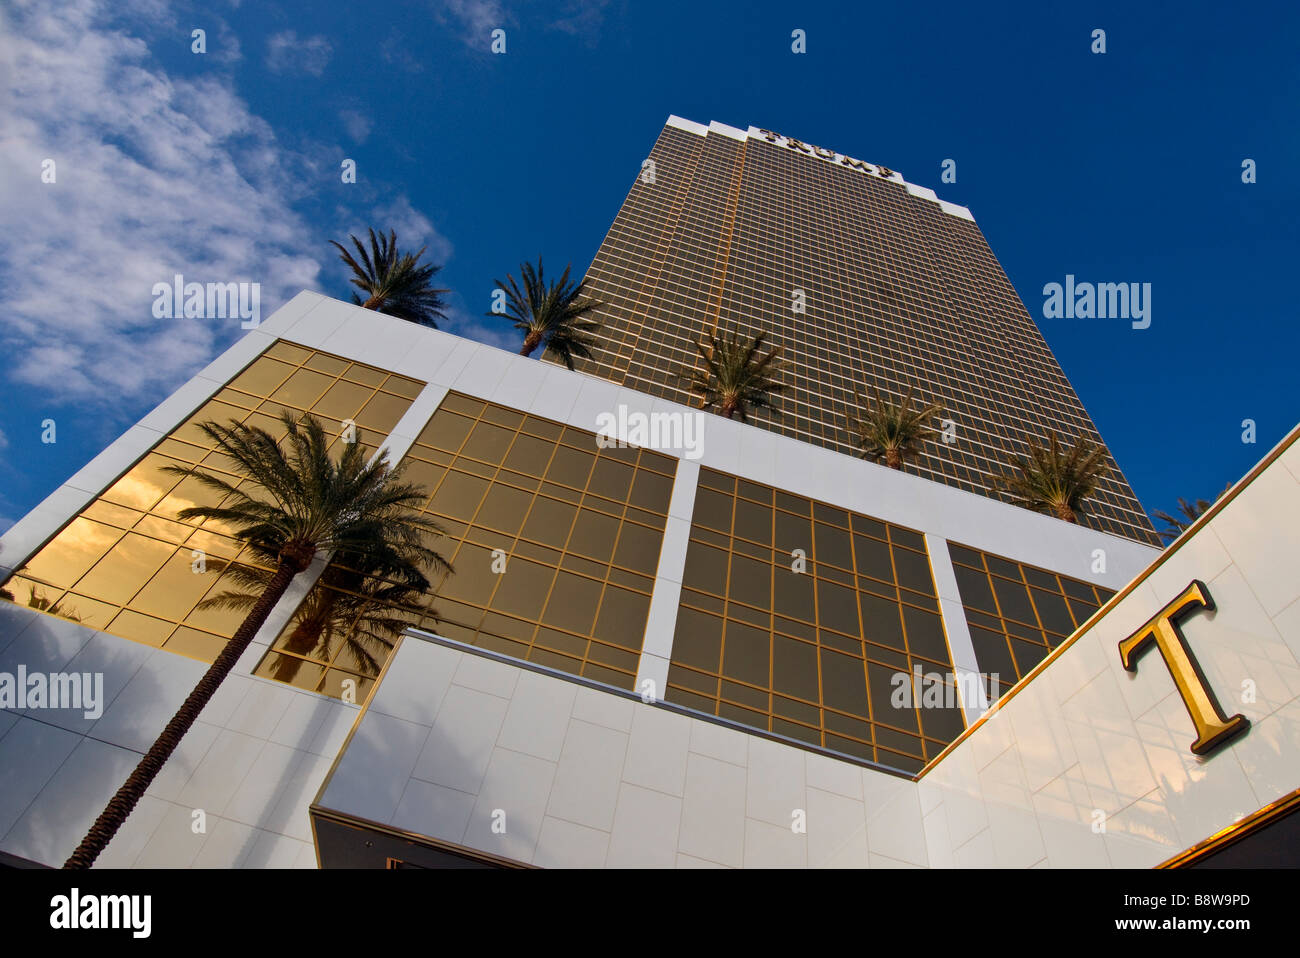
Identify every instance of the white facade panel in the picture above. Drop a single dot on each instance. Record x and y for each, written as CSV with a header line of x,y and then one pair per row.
x,y
227,765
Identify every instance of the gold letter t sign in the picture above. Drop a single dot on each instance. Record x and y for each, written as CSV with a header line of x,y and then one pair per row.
x,y
1212,727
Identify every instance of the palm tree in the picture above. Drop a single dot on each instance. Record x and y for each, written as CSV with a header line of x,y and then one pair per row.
x,y
894,432
555,316
737,375
1189,513
394,283
1054,481
296,501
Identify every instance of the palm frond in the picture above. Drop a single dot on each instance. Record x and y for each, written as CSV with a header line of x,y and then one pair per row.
x,y
304,496
348,611
738,377
1188,513
1052,480
393,282
893,432
555,316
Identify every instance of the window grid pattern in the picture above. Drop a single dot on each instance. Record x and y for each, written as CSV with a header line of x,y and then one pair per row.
x,y
126,564
898,294
1018,613
578,528
813,655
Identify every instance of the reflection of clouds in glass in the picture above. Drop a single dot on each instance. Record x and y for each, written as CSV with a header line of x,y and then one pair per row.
x,y
121,573
187,495
71,553
89,538
142,486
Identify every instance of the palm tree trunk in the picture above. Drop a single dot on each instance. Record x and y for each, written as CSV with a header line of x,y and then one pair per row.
x,y
531,342
728,409
122,804
1063,511
374,302
893,458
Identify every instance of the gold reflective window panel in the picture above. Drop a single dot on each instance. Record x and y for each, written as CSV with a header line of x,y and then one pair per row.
x,y
898,293
809,655
127,565
1018,613
555,543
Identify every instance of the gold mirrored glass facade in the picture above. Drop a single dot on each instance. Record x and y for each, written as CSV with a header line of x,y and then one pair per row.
x,y
555,544
125,564
1018,613
895,292
811,655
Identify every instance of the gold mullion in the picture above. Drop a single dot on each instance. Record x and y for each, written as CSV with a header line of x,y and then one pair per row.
x,y
122,534
907,642
817,622
733,202
487,605
528,512
771,612
194,606
652,277
862,627
726,597
586,486
126,605
1038,616
496,478
997,604
618,534
1020,673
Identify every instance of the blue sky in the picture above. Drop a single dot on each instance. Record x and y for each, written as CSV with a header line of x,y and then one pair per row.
x,y
1119,167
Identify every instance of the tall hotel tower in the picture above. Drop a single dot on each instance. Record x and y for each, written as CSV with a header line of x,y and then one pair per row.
x,y
864,279
752,649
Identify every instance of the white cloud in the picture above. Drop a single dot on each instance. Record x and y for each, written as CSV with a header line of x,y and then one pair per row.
x,y
583,18
475,18
356,123
226,49
286,53
395,49
413,230
155,175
